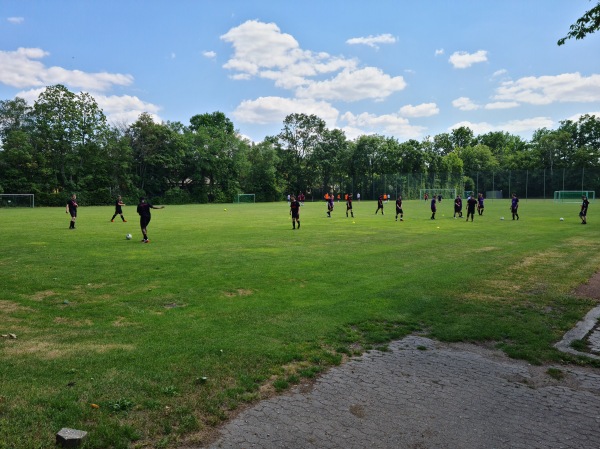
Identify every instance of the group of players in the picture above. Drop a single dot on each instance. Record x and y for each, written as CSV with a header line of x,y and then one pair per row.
x,y
472,204
143,209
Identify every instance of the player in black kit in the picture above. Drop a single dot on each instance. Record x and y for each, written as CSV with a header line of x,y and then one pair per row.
x,y
119,209
143,210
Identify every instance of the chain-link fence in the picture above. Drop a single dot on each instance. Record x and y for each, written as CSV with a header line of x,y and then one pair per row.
x,y
499,184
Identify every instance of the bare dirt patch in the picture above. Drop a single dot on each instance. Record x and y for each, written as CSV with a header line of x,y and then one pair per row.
x,y
39,296
238,292
591,289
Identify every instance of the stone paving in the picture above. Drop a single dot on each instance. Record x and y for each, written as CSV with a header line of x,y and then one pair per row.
x,y
425,394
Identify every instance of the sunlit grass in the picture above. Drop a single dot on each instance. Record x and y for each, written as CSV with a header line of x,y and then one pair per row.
x,y
227,306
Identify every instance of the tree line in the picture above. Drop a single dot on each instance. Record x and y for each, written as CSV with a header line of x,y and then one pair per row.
x,y
63,144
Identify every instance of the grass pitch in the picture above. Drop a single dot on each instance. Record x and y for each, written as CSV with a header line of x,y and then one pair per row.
x,y
149,345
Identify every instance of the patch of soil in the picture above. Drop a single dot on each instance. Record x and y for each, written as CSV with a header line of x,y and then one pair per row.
x,y
591,289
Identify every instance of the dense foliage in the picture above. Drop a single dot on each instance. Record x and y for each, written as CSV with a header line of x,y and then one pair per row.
x,y
63,144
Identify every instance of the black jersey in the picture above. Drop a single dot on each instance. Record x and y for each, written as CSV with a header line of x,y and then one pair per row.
x,y
144,210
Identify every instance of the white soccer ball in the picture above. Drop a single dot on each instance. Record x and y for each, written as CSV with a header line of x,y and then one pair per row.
x,y
501,218
562,219
128,236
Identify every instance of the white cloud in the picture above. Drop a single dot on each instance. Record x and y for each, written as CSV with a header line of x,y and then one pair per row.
x,y
524,126
501,105
22,70
420,110
354,85
262,50
439,52
209,54
463,60
568,87
465,104
118,109
125,108
499,73
15,20
576,117
372,41
387,124
265,110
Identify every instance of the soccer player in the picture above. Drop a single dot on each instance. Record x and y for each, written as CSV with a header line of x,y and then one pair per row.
x,y
349,206
399,210
480,204
118,210
72,209
584,207
330,201
471,203
514,206
379,204
458,206
143,210
433,207
295,212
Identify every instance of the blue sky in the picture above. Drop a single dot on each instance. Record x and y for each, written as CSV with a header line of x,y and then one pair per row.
x,y
407,69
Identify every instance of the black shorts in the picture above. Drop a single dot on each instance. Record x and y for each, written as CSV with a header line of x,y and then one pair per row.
x,y
144,221
118,210
399,211
296,215
73,213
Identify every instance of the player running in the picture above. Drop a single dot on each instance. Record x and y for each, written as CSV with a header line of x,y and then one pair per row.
x,y
295,212
514,206
143,210
584,207
349,206
399,210
433,207
118,210
72,209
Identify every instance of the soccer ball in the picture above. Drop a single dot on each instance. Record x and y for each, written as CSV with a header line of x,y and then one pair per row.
x,y
128,237
501,218
562,219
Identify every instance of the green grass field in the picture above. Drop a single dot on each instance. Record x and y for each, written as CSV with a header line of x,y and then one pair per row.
x,y
150,345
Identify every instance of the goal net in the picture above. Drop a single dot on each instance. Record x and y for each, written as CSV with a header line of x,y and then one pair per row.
x,y
573,196
17,200
444,193
245,198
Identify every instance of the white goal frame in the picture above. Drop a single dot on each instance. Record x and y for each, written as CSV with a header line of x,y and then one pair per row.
x,y
573,196
6,199
446,193
248,195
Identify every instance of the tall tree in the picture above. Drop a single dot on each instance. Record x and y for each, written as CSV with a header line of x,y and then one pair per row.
x,y
587,24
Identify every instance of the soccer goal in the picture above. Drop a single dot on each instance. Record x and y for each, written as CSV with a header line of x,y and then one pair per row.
x,y
17,200
245,198
444,193
573,196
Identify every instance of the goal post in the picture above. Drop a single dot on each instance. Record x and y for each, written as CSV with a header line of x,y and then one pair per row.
x,y
573,196
17,200
445,193
245,198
